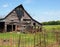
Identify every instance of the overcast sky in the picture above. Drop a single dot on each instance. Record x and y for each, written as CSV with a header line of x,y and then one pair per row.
x,y
41,10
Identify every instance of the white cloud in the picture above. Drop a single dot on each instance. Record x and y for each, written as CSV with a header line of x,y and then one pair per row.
x,y
49,15
5,5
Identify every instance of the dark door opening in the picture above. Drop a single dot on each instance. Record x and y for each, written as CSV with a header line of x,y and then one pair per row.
x,y
2,26
13,27
10,28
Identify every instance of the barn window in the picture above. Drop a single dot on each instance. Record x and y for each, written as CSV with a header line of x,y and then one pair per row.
x,y
26,19
26,23
12,20
34,24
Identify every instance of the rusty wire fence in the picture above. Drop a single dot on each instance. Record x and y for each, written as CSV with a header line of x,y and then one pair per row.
x,y
39,39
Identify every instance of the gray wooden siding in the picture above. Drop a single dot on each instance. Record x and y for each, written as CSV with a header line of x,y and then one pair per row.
x,y
12,18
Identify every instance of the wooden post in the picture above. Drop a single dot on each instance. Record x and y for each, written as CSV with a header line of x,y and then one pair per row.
x,y
15,27
5,28
12,27
35,29
38,29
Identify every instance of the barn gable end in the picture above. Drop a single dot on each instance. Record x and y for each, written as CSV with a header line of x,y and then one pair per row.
x,y
18,19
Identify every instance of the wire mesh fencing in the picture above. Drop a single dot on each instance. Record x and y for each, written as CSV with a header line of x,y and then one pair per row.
x,y
38,39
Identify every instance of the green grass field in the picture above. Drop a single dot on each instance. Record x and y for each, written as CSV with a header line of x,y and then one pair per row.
x,y
29,40
25,39
51,27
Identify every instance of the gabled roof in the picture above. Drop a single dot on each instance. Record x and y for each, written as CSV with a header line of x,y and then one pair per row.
x,y
21,6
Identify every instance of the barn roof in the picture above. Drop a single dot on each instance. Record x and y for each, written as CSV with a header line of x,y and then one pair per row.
x,y
21,6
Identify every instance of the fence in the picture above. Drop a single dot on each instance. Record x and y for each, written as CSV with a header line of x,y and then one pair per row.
x,y
39,39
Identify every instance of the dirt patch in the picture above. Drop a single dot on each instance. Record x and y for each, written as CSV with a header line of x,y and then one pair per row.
x,y
53,45
9,42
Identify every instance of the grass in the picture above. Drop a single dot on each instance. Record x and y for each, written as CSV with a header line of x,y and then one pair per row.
x,y
25,39
28,40
51,27
50,31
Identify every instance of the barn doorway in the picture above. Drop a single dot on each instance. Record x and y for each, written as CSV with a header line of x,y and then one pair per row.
x,y
2,26
10,28
13,27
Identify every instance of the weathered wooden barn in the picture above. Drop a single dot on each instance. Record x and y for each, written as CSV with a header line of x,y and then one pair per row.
x,y
19,20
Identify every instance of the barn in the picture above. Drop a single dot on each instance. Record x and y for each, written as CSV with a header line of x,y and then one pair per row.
x,y
19,20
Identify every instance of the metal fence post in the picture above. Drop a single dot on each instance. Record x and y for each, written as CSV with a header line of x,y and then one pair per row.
x,y
44,37
34,39
19,41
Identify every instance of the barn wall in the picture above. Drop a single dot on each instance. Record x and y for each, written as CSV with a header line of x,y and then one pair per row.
x,y
24,22
32,22
26,17
12,17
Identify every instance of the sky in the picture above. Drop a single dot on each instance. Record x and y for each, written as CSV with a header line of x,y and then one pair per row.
x,y
40,10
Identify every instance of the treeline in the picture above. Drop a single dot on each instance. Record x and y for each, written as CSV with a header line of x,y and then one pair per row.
x,y
51,23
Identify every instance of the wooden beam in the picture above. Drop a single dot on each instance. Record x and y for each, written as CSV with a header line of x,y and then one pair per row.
x,y
5,28
15,27
12,27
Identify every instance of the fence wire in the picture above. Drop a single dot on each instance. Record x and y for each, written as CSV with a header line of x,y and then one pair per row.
x,y
38,39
